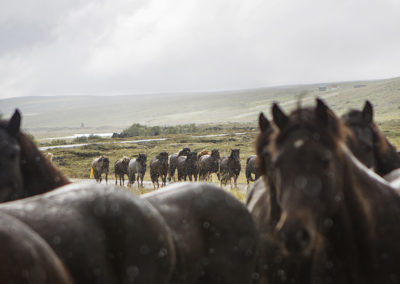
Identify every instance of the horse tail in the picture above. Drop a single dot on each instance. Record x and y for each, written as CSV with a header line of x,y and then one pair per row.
x,y
91,172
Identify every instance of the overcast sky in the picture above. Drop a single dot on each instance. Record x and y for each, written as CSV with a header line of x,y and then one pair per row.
x,y
72,47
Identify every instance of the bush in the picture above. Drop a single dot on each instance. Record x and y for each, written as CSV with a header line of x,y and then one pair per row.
x,y
142,130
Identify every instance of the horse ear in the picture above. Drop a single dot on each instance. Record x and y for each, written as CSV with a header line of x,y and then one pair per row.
x,y
263,122
322,110
280,118
14,123
368,112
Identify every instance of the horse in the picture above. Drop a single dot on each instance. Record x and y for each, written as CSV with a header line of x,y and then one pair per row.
x,y
209,164
101,234
173,162
26,257
25,171
121,169
251,168
187,166
265,211
100,165
202,153
230,168
213,233
137,166
372,147
337,218
159,168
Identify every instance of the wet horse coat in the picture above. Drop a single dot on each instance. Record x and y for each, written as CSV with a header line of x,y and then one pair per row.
x,y
213,232
26,257
101,235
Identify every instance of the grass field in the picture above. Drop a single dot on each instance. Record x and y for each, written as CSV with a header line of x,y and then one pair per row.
x,y
76,162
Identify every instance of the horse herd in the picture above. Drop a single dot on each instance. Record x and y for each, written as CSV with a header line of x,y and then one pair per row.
x,y
325,209
188,165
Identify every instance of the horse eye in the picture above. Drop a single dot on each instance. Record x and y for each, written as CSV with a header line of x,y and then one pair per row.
x,y
12,155
325,162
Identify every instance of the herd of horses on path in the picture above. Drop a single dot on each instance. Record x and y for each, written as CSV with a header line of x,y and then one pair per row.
x,y
325,209
188,165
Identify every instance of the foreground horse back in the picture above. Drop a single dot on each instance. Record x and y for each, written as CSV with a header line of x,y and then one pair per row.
x,y
26,258
25,171
213,232
102,235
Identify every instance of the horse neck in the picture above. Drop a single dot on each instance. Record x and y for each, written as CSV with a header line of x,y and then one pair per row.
x,y
351,240
386,157
38,173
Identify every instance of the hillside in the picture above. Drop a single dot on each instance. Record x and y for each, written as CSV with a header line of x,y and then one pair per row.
x,y
65,115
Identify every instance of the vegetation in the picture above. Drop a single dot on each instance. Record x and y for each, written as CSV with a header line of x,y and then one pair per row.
x,y
137,129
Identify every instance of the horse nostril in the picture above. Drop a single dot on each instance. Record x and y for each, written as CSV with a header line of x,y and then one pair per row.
x,y
295,240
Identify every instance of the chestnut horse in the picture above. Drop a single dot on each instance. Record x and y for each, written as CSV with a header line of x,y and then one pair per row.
x,y
338,220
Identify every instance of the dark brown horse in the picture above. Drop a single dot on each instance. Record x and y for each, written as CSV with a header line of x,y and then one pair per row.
x,y
213,233
371,147
137,166
230,168
26,258
173,162
159,168
101,234
24,169
209,164
252,169
121,169
338,219
187,167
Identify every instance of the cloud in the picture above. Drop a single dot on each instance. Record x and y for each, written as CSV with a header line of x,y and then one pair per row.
x,y
133,47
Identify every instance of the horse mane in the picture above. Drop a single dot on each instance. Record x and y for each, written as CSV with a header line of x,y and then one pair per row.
x,y
39,174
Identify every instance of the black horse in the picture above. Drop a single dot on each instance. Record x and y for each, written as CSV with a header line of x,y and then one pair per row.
x,y
101,235
24,169
371,147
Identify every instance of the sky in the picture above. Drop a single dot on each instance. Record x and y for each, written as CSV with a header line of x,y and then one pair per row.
x,y
120,47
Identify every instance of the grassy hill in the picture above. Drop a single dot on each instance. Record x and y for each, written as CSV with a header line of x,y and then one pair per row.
x,y
64,115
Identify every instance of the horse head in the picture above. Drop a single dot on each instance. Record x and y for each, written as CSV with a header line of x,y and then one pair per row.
x,y
11,178
302,158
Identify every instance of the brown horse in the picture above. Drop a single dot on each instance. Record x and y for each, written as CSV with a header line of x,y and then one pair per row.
x,y
230,168
25,171
159,168
26,257
213,232
101,234
252,168
371,147
338,219
121,169
187,167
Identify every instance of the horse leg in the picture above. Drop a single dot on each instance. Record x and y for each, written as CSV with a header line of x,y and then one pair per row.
x,y
106,178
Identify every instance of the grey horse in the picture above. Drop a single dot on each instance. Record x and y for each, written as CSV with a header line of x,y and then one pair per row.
x,y
100,165
137,166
